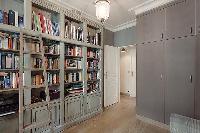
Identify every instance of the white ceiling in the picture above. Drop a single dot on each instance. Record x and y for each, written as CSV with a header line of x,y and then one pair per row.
x,y
119,11
122,12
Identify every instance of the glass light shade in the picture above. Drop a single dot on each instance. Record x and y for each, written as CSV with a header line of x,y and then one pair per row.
x,y
102,10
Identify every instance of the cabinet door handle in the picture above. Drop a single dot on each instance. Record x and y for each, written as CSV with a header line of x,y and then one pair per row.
x,y
191,30
191,79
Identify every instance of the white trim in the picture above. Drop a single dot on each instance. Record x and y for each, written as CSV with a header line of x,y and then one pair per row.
x,y
150,4
152,122
125,25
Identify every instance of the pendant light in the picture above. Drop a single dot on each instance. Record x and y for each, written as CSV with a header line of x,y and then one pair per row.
x,y
102,10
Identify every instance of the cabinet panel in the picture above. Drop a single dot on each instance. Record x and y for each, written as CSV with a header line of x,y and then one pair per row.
x,y
197,88
93,103
150,86
154,25
56,114
198,16
180,18
40,114
73,109
140,29
180,77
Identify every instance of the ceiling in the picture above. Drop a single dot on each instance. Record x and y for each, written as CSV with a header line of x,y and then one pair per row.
x,y
119,11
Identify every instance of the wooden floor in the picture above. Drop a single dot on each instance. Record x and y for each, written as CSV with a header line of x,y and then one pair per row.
x,y
120,118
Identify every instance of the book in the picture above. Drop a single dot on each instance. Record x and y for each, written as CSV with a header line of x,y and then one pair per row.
x,y
20,21
16,19
1,17
5,17
56,29
11,17
9,61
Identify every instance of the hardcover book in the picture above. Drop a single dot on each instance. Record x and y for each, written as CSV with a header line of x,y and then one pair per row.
x,y
1,17
11,17
5,17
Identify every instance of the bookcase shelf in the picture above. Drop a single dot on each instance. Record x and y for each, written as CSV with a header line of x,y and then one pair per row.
x,y
48,81
9,89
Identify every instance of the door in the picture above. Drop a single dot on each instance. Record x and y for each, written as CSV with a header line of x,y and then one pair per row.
x,y
197,91
198,16
111,75
154,25
128,72
180,77
180,18
150,81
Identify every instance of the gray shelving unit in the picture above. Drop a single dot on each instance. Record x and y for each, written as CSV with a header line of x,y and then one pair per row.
x,y
54,115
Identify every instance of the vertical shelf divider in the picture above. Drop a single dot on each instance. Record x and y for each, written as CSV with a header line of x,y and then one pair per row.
x,y
62,83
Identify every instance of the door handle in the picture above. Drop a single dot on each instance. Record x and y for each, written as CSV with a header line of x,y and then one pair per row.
x,y
106,75
191,79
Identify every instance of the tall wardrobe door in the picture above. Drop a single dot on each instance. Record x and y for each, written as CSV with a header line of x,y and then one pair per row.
x,y
140,29
150,89
180,77
197,91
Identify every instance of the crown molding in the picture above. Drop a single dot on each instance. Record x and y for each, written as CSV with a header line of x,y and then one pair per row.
x,y
148,5
125,25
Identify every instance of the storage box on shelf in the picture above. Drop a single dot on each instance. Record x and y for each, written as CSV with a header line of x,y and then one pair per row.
x,y
93,35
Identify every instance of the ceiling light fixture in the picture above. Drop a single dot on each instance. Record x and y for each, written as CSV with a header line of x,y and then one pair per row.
x,y
102,10
123,50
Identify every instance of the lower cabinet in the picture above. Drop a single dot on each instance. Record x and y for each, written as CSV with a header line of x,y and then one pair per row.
x,y
55,111
73,109
40,115
93,103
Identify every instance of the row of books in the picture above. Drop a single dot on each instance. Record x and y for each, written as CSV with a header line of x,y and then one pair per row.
x,y
34,47
93,87
93,75
10,80
92,64
92,53
52,49
73,77
37,79
74,64
73,51
11,17
94,39
9,61
52,78
9,41
73,89
36,62
43,24
73,31
51,63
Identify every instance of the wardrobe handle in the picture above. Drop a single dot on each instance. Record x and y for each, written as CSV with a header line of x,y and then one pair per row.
x,y
191,30
191,79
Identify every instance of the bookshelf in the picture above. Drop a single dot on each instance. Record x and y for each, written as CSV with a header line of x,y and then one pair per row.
x,y
58,72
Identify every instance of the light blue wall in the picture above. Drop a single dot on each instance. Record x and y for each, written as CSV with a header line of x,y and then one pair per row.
x,y
125,37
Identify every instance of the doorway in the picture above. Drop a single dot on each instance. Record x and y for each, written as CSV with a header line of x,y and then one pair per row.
x,y
128,71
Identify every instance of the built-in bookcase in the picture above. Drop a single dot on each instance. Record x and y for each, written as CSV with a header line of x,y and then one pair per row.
x,y
51,61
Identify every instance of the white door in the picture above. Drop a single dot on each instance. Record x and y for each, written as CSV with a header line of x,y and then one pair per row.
x,y
111,75
128,71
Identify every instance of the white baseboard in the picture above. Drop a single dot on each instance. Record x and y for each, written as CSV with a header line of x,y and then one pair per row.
x,y
152,122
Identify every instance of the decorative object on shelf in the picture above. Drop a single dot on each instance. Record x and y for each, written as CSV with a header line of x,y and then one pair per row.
x,y
102,10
